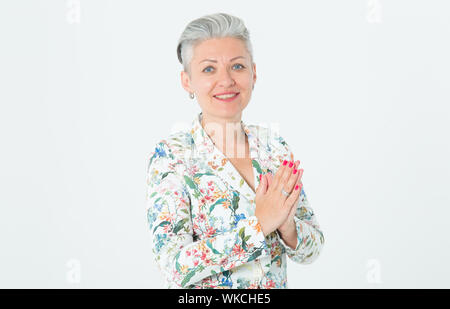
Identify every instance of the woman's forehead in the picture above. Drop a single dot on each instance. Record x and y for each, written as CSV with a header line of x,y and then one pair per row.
x,y
220,49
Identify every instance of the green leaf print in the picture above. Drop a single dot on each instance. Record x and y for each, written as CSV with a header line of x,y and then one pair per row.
x,y
219,201
278,257
254,255
202,174
235,201
187,278
180,225
256,165
197,194
208,243
190,182
153,194
161,224
165,174
242,233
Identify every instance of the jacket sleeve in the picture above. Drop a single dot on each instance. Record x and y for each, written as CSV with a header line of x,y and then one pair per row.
x,y
182,260
310,239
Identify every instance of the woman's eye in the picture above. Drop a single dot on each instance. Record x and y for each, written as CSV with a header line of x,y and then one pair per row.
x,y
237,64
204,70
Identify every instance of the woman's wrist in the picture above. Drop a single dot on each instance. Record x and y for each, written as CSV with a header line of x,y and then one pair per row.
x,y
289,236
287,229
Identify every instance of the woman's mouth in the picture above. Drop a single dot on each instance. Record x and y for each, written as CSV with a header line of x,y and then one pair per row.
x,y
227,97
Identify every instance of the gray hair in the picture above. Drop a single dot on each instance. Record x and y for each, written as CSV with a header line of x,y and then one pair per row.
x,y
217,25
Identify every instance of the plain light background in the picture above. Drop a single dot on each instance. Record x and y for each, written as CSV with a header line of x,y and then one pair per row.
x,y
359,89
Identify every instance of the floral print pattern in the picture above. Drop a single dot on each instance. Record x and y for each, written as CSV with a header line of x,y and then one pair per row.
x,y
200,213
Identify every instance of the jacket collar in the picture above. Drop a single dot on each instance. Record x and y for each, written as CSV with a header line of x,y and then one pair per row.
x,y
218,163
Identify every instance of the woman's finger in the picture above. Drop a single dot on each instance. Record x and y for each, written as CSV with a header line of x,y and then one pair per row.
x,y
287,172
294,207
279,174
295,193
292,178
269,179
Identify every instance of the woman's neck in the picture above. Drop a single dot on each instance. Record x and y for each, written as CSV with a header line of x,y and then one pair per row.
x,y
227,135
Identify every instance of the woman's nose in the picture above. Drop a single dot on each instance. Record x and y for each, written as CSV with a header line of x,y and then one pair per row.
x,y
225,78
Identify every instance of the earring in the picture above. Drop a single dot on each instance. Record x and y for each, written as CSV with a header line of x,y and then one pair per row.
x,y
191,95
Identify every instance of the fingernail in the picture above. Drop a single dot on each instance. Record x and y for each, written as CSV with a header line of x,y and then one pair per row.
x,y
290,164
284,162
296,187
259,177
295,171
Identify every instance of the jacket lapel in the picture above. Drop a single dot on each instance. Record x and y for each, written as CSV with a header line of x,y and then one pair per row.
x,y
219,165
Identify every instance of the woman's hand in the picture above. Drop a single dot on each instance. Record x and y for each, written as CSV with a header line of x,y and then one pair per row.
x,y
272,206
289,224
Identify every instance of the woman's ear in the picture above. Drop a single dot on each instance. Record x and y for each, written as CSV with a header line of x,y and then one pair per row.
x,y
186,81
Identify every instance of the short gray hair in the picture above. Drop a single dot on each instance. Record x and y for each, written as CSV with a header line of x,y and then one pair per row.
x,y
217,25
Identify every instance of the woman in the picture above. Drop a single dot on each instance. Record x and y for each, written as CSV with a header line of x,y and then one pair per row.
x,y
210,227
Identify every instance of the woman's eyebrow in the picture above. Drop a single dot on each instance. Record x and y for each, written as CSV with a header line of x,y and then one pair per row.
x,y
212,60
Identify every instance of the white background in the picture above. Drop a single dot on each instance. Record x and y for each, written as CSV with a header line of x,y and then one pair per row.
x,y
359,89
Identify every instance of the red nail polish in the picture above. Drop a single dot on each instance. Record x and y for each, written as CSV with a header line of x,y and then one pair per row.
x,y
284,162
259,177
295,171
290,164
296,187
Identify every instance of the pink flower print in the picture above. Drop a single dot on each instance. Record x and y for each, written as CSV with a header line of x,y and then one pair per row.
x,y
238,251
270,284
166,228
210,231
203,257
224,261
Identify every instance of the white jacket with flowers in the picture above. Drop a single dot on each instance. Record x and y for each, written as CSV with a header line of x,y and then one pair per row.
x,y
201,214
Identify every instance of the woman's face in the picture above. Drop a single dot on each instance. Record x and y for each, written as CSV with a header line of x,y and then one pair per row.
x,y
219,66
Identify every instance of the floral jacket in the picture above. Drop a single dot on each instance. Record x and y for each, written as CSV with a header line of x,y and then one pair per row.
x,y
200,213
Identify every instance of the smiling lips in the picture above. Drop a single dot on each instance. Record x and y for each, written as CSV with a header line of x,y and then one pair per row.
x,y
227,97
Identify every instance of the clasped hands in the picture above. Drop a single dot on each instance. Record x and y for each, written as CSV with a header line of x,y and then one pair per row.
x,y
274,209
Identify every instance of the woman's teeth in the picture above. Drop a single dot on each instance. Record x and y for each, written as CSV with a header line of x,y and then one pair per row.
x,y
226,96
